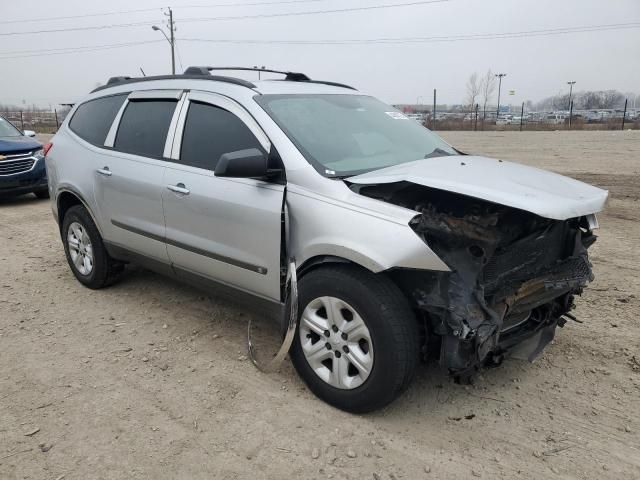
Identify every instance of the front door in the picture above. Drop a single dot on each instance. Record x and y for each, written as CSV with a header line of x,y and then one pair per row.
x,y
226,229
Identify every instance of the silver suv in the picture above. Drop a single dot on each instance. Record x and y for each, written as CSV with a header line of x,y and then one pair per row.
x,y
311,201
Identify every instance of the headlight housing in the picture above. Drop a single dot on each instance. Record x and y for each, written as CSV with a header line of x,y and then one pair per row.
x,y
39,153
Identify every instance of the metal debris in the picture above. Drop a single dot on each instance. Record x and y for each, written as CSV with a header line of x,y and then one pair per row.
x,y
273,365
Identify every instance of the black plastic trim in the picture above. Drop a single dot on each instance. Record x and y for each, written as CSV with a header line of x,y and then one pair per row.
x,y
191,248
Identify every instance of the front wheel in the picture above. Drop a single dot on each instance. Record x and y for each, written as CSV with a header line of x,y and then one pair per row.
x,y
357,343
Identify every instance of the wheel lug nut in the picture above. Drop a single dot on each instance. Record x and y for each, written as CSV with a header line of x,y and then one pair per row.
x,y
334,328
344,336
328,345
345,349
327,333
337,354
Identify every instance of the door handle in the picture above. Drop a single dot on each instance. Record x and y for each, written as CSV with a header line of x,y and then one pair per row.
x,y
105,171
179,188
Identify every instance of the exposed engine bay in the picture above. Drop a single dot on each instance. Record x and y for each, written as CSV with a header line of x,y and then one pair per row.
x,y
513,274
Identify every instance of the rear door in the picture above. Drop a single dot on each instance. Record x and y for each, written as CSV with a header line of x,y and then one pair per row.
x,y
226,229
129,181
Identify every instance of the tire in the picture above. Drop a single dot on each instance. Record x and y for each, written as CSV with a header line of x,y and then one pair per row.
x,y
104,270
393,351
44,193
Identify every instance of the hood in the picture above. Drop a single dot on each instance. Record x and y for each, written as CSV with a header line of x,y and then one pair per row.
x,y
17,144
537,191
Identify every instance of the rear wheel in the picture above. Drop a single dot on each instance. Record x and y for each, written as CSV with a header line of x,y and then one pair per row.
x,y
85,251
357,343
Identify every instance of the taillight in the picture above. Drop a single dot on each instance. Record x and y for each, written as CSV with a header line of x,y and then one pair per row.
x,y
46,148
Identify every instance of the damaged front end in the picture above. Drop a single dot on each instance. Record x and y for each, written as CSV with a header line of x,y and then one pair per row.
x,y
513,274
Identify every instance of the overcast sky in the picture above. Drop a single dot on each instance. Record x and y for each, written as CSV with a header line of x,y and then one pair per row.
x,y
536,67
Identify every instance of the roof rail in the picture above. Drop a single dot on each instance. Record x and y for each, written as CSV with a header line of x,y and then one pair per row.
x,y
289,76
204,73
115,81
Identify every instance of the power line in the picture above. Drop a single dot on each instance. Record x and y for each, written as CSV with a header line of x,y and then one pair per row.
x,y
314,12
252,4
72,17
141,10
63,51
237,17
431,39
382,40
79,29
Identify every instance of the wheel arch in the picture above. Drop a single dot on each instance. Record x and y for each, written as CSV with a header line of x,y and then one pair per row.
x,y
320,260
68,197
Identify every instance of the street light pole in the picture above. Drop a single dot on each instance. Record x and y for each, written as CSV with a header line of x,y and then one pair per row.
x,y
172,42
170,38
499,75
571,84
259,68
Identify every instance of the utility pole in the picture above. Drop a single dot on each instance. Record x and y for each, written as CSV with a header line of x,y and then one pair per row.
x,y
570,113
571,84
172,42
170,39
521,115
433,123
475,127
624,114
499,75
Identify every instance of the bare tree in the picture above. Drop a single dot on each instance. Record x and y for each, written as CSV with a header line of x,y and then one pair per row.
x,y
473,90
611,99
488,85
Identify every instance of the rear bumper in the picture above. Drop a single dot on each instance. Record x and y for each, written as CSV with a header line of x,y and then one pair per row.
x,y
25,182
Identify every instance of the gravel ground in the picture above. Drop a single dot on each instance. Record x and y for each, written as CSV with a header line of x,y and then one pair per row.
x,y
149,378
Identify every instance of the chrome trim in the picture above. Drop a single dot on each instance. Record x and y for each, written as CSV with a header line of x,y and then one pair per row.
x,y
21,159
191,248
173,94
110,140
276,361
175,118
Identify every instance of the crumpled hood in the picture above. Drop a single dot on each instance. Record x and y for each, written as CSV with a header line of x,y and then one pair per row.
x,y
543,193
17,144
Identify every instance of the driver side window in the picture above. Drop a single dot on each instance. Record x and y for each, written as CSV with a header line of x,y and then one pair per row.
x,y
210,132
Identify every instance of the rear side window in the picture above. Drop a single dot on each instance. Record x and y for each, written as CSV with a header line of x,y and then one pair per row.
x,y
144,126
210,132
93,119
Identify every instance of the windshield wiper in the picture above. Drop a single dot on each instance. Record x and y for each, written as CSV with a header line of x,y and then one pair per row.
x,y
438,152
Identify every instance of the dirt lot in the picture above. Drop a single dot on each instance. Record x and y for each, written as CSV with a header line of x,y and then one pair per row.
x,y
149,378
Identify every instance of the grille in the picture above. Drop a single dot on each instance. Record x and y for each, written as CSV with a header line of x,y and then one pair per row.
x,y
11,167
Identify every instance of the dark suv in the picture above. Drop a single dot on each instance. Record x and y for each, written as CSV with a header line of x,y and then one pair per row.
x,y
22,167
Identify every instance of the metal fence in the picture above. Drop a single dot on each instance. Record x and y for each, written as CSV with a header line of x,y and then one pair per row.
x,y
479,119
38,120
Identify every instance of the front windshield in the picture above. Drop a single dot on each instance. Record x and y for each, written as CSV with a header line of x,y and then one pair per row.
x,y
342,135
8,130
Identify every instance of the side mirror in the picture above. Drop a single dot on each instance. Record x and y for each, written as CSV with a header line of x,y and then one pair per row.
x,y
29,133
249,163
